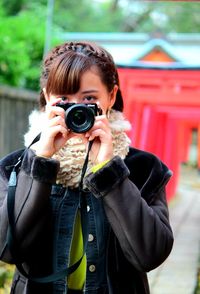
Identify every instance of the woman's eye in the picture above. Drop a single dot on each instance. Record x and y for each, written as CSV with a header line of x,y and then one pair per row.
x,y
89,98
63,98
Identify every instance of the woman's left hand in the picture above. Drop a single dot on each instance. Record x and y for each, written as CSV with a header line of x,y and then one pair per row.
x,y
102,148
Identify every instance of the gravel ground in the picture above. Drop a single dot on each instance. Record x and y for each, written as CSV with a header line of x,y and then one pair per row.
x,y
178,274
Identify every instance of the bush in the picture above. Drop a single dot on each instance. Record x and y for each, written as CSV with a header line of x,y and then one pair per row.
x,y
21,47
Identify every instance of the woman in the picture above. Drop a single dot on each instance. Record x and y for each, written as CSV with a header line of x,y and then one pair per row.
x,y
92,226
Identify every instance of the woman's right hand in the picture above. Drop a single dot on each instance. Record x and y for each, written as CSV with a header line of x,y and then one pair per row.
x,y
55,132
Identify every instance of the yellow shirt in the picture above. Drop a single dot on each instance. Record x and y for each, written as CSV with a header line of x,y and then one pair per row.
x,y
77,279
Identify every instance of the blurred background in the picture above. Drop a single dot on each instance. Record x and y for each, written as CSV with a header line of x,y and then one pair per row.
x,y
156,46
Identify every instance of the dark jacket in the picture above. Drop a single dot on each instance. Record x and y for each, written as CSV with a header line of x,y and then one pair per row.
x,y
134,200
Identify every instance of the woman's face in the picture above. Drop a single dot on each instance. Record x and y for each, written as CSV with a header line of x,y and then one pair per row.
x,y
92,90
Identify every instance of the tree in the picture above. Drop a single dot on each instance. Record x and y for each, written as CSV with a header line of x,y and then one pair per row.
x,y
165,16
88,16
21,47
23,24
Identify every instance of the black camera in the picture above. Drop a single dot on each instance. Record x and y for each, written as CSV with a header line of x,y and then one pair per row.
x,y
79,118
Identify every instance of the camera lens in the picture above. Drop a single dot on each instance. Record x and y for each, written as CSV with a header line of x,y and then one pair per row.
x,y
79,118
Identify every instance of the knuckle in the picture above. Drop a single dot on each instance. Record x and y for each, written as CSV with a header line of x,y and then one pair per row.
x,y
59,119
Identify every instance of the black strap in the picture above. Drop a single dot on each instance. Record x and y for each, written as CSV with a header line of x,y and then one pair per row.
x,y
11,240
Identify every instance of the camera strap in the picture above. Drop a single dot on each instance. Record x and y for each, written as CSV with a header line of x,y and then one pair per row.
x,y
11,238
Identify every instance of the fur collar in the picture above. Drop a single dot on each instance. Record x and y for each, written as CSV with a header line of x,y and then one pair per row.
x,y
37,119
72,155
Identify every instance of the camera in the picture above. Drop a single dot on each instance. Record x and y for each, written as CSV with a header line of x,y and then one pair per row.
x,y
79,118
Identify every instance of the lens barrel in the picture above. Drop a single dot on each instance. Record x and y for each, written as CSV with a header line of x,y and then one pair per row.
x,y
80,118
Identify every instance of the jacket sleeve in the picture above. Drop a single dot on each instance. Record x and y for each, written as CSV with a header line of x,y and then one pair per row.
x,y
31,210
138,214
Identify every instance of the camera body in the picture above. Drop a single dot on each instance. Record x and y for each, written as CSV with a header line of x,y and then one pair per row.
x,y
79,118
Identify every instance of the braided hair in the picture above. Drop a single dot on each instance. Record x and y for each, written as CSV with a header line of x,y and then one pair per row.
x,y
64,65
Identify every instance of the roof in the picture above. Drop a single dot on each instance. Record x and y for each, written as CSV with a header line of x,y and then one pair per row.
x,y
128,48
159,44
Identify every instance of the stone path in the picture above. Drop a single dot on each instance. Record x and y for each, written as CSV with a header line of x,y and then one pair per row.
x,y
178,274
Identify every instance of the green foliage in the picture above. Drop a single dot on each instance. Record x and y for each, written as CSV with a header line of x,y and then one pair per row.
x,y
177,17
6,274
23,24
87,16
21,48
22,34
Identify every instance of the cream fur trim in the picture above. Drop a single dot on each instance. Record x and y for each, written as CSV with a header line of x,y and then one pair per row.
x,y
72,155
37,120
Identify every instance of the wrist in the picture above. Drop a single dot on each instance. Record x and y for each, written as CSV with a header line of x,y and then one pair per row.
x,y
41,153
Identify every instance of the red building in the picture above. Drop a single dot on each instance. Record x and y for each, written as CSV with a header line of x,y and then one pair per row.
x,y
160,81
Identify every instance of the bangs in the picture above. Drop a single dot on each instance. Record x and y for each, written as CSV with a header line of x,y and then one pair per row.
x,y
65,74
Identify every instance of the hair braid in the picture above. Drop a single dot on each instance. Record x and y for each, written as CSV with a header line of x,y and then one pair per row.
x,y
99,57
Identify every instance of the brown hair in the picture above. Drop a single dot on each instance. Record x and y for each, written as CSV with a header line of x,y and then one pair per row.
x,y
64,65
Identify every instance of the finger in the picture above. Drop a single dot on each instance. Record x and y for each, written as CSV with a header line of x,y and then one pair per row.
x,y
52,111
102,118
99,130
57,120
105,137
53,100
100,125
55,130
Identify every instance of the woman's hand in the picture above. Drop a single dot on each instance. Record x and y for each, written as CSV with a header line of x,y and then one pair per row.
x,y
102,148
54,134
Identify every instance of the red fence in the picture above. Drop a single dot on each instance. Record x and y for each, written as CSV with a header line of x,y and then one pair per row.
x,y
163,106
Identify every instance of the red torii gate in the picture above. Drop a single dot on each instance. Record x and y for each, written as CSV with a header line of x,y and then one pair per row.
x,y
163,105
